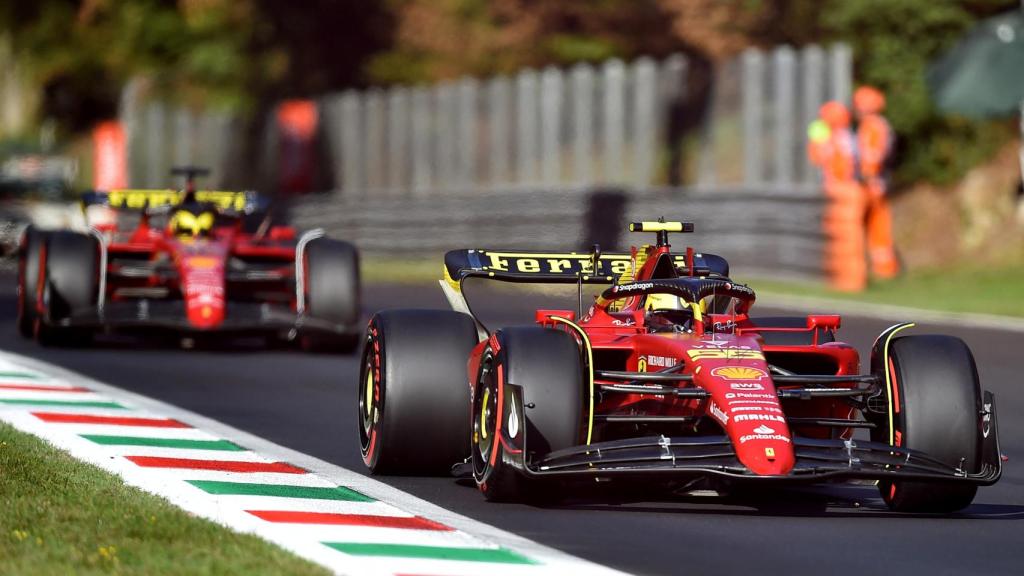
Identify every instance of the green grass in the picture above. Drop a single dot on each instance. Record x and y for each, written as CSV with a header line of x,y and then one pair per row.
x,y
998,290
61,516
991,290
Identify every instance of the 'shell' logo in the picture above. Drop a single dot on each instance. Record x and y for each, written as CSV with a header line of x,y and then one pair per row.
x,y
739,373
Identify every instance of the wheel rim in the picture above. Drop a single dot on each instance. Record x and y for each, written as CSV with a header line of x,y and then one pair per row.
x,y
370,400
485,413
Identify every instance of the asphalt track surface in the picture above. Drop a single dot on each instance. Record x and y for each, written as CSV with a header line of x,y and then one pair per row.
x,y
308,403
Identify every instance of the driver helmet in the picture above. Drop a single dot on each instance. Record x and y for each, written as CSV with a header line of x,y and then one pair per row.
x,y
664,302
191,221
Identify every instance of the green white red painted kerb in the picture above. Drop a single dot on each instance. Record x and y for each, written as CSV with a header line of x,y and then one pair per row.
x,y
340,519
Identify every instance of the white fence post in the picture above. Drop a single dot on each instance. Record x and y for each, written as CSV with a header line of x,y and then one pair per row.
x,y
352,157
582,123
784,125
468,116
444,134
373,138
421,144
398,172
155,139
526,127
753,92
184,137
841,73
644,121
550,126
499,144
613,119
812,78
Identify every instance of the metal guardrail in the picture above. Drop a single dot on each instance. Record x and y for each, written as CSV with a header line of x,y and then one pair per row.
x,y
764,232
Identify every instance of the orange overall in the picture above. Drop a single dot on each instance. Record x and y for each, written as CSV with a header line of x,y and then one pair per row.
x,y
834,151
874,144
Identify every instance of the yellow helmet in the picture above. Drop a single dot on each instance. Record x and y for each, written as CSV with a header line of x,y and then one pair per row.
x,y
186,223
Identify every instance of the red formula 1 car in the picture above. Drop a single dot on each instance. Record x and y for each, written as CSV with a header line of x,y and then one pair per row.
x,y
181,260
667,378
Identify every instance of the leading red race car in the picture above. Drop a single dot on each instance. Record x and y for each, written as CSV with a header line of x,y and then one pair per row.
x,y
667,378
182,260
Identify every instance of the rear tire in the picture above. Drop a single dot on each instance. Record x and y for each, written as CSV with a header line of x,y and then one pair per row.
x,y
414,391
332,293
32,241
547,365
71,286
939,406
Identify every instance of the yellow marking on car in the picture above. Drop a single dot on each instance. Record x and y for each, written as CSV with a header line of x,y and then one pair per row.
x,y
725,354
369,393
656,227
483,413
888,378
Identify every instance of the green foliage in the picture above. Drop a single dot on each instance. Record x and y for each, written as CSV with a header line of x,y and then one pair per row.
x,y
62,516
569,48
197,52
894,42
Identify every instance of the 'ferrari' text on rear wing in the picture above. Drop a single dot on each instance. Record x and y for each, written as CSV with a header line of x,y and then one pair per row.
x,y
559,267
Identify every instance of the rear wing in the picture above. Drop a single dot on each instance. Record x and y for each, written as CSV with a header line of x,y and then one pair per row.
x,y
134,199
558,267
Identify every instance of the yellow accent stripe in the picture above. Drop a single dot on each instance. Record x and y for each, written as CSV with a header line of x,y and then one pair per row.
x,y
697,311
457,286
657,227
590,371
888,378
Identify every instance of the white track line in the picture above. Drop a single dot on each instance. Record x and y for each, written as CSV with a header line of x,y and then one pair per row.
x,y
230,510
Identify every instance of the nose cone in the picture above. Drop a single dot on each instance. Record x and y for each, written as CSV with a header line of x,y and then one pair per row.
x,y
766,450
745,403
205,315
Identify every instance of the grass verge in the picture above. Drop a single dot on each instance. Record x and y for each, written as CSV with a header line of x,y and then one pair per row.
x,y
989,290
61,516
998,290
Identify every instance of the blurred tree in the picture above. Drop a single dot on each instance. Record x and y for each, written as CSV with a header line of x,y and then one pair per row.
x,y
82,52
893,43
438,39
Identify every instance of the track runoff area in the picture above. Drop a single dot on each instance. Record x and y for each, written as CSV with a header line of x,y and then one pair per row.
x,y
342,520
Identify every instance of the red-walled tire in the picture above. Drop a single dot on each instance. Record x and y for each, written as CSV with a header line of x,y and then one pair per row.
x,y
414,391
547,365
32,241
939,405
71,285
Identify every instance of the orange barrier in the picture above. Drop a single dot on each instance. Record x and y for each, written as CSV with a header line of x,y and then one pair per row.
x,y
110,156
843,225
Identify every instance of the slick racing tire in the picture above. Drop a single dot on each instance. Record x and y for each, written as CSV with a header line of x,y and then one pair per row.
x,y
71,285
32,240
935,383
547,365
414,391
790,338
332,293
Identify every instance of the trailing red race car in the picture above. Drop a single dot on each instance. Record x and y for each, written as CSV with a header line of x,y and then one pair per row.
x,y
181,260
667,378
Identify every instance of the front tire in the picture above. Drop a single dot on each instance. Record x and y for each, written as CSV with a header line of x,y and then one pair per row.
x,y
937,406
29,249
414,391
332,293
546,364
70,286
